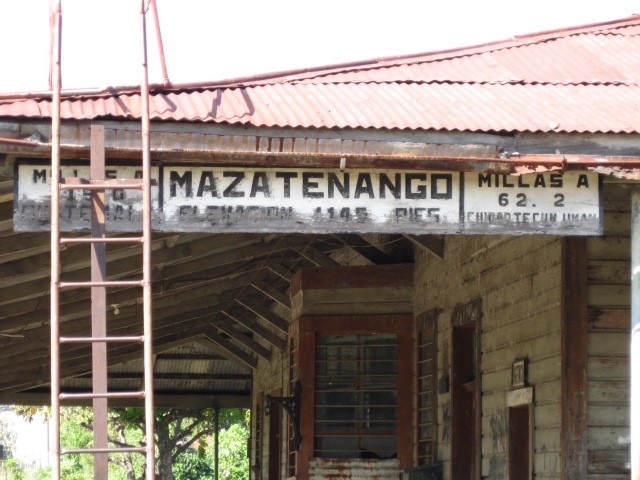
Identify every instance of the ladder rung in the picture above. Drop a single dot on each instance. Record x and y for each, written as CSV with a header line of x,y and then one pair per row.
x,y
102,240
114,283
73,183
89,396
104,450
129,339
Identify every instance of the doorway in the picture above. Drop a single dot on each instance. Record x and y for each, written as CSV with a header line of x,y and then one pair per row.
x,y
465,393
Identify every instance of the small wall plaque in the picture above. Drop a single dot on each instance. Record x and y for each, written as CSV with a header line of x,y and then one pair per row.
x,y
519,373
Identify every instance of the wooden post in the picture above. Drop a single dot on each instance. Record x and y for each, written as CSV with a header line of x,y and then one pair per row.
x,y
99,305
575,324
635,336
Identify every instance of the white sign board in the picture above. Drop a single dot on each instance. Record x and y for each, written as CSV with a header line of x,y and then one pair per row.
x,y
235,199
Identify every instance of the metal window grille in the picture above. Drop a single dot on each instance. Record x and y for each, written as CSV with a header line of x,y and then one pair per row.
x,y
427,354
356,396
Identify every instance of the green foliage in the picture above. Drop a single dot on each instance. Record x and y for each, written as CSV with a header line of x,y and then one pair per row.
x,y
42,474
193,465
190,434
13,470
234,461
7,437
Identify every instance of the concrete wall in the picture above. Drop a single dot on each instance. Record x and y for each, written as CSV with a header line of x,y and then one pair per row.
x,y
518,279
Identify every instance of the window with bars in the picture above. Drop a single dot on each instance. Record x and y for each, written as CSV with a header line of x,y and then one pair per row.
x,y
356,396
358,388
427,387
293,378
257,459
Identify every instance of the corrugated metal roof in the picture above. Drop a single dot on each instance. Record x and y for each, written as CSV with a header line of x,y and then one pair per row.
x,y
171,374
584,79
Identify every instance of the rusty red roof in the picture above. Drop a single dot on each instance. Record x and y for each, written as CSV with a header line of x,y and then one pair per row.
x,y
581,79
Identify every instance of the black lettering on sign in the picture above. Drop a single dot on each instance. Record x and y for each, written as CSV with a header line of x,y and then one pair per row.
x,y
421,192
307,185
583,181
505,182
437,192
116,195
287,176
521,183
362,214
540,181
231,191
394,188
260,184
484,179
555,180
207,183
39,175
364,185
185,181
334,183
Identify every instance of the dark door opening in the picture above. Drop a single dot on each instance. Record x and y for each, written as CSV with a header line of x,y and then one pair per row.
x,y
464,403
519,459
275,426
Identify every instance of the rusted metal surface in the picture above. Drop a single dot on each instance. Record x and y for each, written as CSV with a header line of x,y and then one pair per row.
x,y
163,63
56,32
580,80
98,251
584,80
578,58
147,314
353,469
499,107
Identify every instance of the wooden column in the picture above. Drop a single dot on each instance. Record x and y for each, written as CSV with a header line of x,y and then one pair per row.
x,y
575,324
635,337
99,305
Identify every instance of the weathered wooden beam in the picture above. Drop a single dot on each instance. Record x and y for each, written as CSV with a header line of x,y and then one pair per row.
x,y
39,374
32,312
6,191
175,376
177,318
265,313
270,290
316,256
127,322
163,400
365,249
575,333
225,326
121,262
430,243
217,342
190,357
244,318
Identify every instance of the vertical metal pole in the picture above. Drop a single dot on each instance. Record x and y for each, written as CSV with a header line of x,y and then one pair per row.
x,y
163,63
56,18
99,306
146,252
635,336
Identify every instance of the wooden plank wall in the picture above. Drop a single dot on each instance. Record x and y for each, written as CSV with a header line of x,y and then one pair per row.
x,y
608,345
518,279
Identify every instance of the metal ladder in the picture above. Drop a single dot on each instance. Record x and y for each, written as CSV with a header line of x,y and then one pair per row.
x,y
99,340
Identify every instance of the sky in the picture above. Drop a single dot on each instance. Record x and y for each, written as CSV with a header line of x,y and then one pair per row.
x,y
207,40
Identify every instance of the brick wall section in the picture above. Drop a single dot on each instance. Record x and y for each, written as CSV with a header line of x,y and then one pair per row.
x,y
518,279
